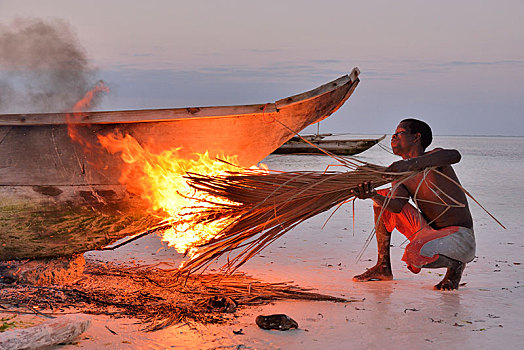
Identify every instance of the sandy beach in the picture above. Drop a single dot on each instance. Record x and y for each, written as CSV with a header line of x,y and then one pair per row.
x,y
405,312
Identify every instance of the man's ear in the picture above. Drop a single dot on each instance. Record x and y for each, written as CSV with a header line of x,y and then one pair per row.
x,y
417,137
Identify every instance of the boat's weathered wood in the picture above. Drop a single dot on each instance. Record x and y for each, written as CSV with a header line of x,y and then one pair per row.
x,y
57,199
314,137
60,330
133,116
302,97
44,155
3,133
40,222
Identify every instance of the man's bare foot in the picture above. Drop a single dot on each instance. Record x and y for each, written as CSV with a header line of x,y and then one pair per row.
x,y
379,272
452,279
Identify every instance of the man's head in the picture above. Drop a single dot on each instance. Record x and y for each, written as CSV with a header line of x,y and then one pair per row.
x,y
410,135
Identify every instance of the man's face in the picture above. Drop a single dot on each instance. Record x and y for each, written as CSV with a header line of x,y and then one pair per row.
x,y
402,140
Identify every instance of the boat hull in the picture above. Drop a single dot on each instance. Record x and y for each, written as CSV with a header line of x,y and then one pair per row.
x,y
338,147
58,197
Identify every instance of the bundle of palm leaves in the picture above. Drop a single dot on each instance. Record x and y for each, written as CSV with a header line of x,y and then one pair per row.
x,y
263,205
260,205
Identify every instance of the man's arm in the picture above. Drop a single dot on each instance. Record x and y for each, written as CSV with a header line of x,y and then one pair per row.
x,y
394,203
435,158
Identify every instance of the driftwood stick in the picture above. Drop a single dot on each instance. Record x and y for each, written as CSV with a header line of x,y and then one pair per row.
x,y
53,332
139,235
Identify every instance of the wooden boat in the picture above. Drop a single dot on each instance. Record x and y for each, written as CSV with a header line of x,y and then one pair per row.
x,y
296,145
56,201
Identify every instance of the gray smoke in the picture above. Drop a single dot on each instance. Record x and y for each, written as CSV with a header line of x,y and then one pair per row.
x,y
43,68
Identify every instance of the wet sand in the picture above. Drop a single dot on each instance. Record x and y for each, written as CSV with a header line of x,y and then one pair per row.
x,y
405,312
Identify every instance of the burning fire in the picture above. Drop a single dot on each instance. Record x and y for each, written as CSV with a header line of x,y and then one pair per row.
x,y
159,178
79,107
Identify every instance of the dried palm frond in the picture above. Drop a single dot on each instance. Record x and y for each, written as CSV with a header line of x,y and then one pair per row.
x,y
152,295
262,206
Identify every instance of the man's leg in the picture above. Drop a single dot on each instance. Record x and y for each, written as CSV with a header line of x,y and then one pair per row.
x,y
382,270
453,274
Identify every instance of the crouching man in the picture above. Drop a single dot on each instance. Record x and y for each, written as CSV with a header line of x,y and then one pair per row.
x,y
441,233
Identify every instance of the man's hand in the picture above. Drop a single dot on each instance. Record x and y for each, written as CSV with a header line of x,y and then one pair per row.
x,y
364,190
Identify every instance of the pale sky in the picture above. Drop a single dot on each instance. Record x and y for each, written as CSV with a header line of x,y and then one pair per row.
x,y
459,65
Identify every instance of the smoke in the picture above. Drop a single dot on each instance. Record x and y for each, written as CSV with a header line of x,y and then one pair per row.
x,y
43,67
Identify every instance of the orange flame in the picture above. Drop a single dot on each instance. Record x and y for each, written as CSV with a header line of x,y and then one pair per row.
x,y
159,179
74,118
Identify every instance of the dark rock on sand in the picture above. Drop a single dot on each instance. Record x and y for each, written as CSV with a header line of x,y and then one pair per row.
x,y
278,321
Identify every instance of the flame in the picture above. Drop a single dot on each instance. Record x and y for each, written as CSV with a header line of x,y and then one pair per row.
x,y
72,119
159,179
